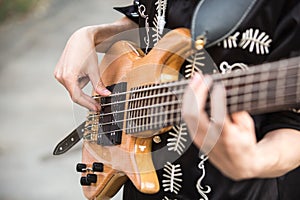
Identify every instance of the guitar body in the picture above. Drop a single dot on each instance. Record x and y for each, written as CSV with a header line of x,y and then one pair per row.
x,y
132,158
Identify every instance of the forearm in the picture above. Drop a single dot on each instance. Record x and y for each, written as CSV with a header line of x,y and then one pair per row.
x,y
101,33
277,153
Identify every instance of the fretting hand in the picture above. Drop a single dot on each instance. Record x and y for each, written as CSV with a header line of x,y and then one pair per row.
x,y
230,142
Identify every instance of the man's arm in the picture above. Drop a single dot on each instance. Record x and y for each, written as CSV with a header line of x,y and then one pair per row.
x,y
230,141
78,63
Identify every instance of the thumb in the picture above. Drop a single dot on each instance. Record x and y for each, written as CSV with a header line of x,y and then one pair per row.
x,y
243,119
98,84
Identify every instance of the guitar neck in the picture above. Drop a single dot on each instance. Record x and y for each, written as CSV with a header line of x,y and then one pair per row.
x,y
264,88
261,89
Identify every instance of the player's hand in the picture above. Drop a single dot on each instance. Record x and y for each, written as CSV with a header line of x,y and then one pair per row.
x,y
77,66
229,141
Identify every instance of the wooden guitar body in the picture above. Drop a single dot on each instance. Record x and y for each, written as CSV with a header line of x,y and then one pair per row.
x,y
124,62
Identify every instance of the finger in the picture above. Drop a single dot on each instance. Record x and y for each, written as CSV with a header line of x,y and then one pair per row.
x,y
218,105
79,97
85,100
243,120
218,118
58,74
95,78
194,113
201,87
194,98
83,81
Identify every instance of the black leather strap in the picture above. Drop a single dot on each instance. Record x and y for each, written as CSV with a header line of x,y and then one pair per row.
x,y
215,20
68,142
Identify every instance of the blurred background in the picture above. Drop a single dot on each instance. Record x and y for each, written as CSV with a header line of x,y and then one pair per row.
x,y
35,110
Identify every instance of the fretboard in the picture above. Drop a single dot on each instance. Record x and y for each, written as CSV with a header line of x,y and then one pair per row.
x,y
260,89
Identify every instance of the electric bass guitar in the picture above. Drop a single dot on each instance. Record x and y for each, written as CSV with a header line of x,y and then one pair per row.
x,y
146,101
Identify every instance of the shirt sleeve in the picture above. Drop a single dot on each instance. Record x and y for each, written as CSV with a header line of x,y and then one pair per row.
x,y
272,121
130,11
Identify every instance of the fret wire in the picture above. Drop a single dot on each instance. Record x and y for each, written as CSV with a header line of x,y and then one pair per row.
x,y
140,127
256,88
146,97
234,83
291,89
230,103
219,77
179,93
179,110
229,96
151,102
185,83
136,109
176,121
287,103
178,103
223,77
182,83
145,110
138,105
139,117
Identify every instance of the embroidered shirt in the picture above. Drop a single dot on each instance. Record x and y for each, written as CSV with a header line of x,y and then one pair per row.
x,y
269,33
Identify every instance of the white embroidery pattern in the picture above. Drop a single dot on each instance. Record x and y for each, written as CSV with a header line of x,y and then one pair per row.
x,y
203,191
172,177
296,110
226,68
177,142
159,20
196,61
166,198
142,10
231,41
260,41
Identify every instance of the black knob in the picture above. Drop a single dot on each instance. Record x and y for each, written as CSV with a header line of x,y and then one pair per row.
x,y
84,181
80,167
92,178
98,167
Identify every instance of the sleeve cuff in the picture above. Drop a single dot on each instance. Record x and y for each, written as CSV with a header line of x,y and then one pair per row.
x,y
129,11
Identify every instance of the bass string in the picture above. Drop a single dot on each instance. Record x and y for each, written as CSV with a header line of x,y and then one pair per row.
x,y
182,84
177,111
232,93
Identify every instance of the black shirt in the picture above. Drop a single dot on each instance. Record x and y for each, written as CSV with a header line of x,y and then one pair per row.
x,y
278,23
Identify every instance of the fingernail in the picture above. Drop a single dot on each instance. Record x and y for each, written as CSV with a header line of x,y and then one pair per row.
x,y
105,92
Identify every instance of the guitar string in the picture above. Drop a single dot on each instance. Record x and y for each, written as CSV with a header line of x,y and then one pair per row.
x,y
215,77
286,96
184,83
232,102
141,127
231,93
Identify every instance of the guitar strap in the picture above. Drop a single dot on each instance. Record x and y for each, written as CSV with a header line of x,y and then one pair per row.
x,y
68,142
215,20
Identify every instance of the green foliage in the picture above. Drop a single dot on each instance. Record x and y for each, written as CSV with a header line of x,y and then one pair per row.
x,y
14,8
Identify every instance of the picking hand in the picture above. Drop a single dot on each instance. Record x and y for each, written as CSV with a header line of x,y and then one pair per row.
x,y
77,66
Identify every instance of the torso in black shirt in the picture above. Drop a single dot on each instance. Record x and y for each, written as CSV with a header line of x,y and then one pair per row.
x,y
280,21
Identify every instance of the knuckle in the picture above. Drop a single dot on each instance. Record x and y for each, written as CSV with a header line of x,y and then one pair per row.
x,y
57,75
75,97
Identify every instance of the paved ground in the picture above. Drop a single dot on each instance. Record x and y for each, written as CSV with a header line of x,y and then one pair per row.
x,y
35,111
